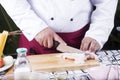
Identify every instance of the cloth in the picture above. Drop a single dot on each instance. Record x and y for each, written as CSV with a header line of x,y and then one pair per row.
x,y
111,72
32,16
73,39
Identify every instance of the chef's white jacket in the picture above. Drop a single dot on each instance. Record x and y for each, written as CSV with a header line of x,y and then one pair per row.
x,y
32,16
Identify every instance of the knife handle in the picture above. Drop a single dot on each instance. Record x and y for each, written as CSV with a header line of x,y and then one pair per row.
x,y
55,43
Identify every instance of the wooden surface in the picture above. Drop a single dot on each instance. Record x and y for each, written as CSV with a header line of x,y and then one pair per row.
x,y
53,62
10,70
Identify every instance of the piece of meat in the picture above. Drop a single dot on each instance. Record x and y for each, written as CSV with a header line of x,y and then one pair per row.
x,y
90,55
79,57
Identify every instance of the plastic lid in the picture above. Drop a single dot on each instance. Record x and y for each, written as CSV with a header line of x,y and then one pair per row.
x,y
21,50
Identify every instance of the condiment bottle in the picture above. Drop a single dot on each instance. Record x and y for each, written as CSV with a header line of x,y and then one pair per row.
x,y
22,67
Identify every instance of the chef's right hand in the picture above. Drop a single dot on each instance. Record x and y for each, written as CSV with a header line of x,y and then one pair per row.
x,y
47,36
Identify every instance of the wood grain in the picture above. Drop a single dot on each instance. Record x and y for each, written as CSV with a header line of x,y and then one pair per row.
x,y
55,63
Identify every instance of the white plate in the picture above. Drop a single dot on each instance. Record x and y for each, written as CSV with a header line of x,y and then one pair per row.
x,y
7,64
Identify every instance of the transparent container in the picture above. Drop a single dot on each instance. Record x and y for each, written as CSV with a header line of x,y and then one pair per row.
x,y
32,76
22,67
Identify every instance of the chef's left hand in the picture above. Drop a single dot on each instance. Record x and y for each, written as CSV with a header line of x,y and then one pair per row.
x,y
89,44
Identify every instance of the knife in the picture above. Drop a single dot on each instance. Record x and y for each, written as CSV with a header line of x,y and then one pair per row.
x,y
16,32
66,48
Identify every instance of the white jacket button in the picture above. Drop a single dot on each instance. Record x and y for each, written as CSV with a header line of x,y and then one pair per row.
x,y
52,18
71,19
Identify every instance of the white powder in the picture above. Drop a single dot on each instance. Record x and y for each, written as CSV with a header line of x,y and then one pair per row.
x,y
22,73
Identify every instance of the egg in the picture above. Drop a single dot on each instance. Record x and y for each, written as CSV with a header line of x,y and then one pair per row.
x,y
8,60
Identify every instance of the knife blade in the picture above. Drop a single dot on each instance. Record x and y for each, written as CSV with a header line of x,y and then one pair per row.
x,y
66,48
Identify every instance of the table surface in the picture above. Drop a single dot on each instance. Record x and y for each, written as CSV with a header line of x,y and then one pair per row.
x,y
55,63
103,56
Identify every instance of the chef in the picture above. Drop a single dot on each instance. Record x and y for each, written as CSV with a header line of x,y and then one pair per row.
x,y
83,24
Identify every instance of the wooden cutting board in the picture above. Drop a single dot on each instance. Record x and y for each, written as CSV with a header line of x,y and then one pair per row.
x,y
55,63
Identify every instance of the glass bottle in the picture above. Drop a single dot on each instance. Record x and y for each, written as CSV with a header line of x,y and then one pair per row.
x,y
21,67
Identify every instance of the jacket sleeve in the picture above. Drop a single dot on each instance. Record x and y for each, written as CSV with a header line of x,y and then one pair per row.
x,y
102,20
24,17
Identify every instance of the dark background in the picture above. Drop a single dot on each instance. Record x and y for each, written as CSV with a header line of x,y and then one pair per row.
x,y
6,23
114,39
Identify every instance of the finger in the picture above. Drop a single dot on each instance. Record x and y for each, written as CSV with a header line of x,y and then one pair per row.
x,y
45,43
85,45
39,40
50,43
94,46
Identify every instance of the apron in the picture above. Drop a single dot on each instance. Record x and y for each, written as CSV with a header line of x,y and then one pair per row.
x,y
71,38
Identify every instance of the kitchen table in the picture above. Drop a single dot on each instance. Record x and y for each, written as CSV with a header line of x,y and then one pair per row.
x,y
106,57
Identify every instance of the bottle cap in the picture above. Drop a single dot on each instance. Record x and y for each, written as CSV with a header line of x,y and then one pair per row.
x,y
21,50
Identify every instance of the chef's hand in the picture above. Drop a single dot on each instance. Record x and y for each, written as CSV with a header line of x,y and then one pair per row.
x,y
89,44
46,37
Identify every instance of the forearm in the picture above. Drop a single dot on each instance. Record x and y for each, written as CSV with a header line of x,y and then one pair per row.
x,y
102,20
